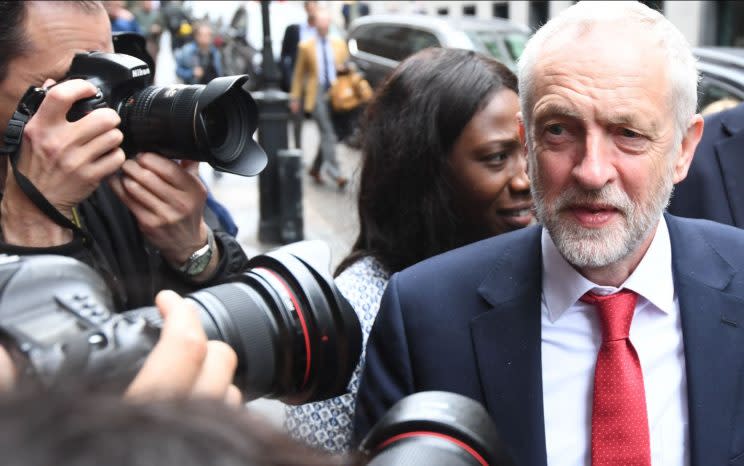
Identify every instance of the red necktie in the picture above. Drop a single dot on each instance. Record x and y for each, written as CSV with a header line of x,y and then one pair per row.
x,y
619,420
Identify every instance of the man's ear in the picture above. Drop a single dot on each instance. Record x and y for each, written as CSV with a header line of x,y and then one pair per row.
x,y
690,140
520,128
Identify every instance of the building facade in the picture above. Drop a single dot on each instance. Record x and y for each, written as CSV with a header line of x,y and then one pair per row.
x,y
702,22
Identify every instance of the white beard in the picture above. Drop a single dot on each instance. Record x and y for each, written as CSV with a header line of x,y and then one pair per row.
x,y
596,248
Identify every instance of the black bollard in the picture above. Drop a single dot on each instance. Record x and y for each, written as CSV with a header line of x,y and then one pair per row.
x,y
272,135
275,191
290,179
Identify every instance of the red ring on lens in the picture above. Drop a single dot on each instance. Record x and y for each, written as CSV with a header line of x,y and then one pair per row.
x,y
448,438
303,324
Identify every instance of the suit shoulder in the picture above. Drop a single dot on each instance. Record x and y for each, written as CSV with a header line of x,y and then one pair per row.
x,y
711,228
718,235
474,259
306,44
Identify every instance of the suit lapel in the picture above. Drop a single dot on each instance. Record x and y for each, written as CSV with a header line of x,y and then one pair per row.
x,y
713,333
730,153
506,342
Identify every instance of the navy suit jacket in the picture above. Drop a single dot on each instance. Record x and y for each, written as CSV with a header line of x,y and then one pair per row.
x,y
714,187
468,321
288,56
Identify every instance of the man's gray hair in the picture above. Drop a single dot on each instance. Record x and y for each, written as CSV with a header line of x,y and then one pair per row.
x,y
583,16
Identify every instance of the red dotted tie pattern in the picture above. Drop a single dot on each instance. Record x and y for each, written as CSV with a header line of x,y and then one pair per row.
x,y
619,420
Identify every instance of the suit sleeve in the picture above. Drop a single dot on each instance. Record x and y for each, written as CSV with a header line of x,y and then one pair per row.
x,y
299,73
343,52
290,41
387,375
288,55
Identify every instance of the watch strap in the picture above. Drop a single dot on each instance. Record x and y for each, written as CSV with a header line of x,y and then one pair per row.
x,y
199,259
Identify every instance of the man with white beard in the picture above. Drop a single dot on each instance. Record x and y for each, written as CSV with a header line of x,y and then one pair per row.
x,y
611,334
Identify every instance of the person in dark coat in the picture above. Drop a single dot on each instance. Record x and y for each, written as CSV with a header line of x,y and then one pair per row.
x,y
139,221
714,189
293,35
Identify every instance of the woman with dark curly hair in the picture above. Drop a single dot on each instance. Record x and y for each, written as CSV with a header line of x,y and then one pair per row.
x,y
442,167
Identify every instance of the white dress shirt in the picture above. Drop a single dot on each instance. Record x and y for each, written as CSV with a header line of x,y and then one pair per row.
x,y
306,32
323,45
570,342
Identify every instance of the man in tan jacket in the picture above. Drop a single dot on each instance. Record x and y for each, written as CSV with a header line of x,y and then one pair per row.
x,y
318,59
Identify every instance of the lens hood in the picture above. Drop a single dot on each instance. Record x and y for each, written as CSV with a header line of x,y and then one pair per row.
x,y
333,334
443,415
238,153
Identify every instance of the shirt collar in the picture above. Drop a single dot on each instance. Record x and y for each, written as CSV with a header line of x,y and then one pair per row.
x,y
306,31
652,279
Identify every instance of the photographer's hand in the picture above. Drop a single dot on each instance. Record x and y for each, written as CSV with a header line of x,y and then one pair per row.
x,y
7,372
294,105
65,160
167,198
183,363
198,73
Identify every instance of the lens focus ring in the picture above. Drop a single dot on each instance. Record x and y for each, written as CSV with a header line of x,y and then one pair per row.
x,y
248,320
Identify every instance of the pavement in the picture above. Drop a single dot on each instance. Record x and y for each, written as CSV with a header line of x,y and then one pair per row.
x,y
329,214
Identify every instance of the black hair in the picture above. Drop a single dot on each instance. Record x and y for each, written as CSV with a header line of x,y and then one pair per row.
x,y
14,41
86,429
405,205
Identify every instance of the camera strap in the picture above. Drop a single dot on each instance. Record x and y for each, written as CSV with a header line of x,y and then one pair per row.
x,y
13,138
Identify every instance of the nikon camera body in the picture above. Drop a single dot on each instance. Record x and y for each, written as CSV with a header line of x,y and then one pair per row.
x,y
213,123
296,337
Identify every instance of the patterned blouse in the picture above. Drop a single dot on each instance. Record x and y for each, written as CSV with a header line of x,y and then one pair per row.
x,y
328,424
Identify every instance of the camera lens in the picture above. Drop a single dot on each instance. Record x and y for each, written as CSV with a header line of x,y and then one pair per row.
x,y
213,123
296,337
224,126
216,126
437,429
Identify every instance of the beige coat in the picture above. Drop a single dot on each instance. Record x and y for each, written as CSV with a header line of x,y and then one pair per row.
x,y
305,78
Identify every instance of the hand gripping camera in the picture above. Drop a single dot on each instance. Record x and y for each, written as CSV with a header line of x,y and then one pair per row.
x,y
213,123
296,337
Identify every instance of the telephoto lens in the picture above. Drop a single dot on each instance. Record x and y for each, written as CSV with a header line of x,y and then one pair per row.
x,y
296,337
436,429
213,123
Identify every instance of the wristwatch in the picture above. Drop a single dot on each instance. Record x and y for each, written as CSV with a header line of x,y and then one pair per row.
x,y
199,259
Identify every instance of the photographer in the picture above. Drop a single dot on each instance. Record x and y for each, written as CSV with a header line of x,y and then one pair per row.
x,y
145,223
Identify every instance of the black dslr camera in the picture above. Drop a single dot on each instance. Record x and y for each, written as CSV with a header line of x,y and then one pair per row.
x,y
435,429
213,123
296,337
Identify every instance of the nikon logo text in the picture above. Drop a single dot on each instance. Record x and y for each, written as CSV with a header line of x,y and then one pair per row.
x,y
137,72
